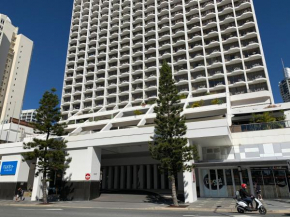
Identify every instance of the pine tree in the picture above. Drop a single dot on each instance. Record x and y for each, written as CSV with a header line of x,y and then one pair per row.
x,y
49,152
169,144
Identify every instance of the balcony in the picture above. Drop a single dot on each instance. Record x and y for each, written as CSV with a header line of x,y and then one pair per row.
x,y
260,126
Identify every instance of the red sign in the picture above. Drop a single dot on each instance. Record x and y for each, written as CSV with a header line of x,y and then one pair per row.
x,y
88,176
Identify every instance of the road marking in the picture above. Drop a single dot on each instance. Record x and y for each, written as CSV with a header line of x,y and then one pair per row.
x,y
42,209
188,215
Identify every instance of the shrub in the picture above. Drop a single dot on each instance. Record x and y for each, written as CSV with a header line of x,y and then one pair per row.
x,y
197,104
138,112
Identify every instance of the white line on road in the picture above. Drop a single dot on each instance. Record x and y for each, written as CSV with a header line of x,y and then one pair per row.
x,y
43,209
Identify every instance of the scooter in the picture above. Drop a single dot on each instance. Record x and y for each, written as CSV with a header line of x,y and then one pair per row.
x,y
243,206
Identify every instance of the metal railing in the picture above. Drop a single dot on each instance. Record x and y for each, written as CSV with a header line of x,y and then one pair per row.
x,y
260,126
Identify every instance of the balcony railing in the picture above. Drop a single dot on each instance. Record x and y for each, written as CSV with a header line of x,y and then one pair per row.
x,y
260,126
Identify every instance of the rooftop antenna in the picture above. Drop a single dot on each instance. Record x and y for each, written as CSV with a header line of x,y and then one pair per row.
x,y
283,68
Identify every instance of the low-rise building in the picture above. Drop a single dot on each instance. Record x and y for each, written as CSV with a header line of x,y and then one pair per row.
x,y
28,115
232,150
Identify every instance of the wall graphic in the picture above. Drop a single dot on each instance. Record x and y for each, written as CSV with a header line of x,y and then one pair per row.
x,y
8,168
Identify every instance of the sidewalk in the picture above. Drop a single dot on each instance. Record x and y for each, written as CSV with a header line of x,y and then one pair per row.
x,y
203,204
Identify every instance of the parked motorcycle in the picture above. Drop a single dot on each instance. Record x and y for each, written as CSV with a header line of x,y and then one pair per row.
x,y
243,206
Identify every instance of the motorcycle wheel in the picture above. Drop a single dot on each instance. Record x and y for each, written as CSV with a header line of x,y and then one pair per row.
x,y
240,210
262,210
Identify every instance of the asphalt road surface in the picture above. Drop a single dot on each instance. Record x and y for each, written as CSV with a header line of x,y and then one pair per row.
x,y
12,211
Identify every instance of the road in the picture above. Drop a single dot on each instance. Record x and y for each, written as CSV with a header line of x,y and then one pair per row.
x,y
12,211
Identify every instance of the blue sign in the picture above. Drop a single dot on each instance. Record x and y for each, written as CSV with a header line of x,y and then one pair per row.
x,y
8,168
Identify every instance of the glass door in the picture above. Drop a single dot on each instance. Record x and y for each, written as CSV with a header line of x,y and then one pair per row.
x,y
281,184
237,179
206,182
222,188
258,181
229,183
213,183
269,188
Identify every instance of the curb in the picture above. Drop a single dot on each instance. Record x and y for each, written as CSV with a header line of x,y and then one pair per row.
x,y
228,210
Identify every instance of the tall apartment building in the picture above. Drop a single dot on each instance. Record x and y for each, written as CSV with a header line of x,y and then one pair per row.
x,y
15,56
117,47
115,51
28,115
284,85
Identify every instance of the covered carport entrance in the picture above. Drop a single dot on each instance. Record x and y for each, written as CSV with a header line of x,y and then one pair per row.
x,y
131,168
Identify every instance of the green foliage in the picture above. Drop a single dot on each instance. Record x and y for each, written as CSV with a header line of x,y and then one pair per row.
x,y
182,96
138,112
169,145
71,122
267,117
49,152
197,104
217,102
151,102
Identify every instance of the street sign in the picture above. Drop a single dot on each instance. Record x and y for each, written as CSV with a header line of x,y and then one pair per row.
x,y
8,168
88,176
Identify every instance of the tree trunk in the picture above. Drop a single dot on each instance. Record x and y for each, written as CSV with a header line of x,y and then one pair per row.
x,y
174,196
44,187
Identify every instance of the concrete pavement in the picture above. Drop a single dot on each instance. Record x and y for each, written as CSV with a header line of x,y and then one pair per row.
x,y
143,202
44,211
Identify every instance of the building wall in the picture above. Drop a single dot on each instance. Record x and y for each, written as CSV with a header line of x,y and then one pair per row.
x,y
18,78
15,57
100,64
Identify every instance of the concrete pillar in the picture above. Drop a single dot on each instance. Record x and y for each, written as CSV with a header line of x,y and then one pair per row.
x,y
135,176
180,181
37,188
149,176
110,178
155,177
94,165
189,181
122,177
251,181
116,178
129,174
141,177
162,181
104,178
190,193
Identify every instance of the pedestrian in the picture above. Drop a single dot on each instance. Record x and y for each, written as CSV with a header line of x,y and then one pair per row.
x,y
258,191
19,194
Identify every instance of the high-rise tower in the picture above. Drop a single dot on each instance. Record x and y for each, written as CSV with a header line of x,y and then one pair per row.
x,y
15,56
116,48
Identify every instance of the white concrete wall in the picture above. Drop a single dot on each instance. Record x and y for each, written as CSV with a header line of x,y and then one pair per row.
x,y
262,136
22,170
87,160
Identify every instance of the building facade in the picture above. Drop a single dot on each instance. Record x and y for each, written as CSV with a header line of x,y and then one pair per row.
x,y
28,115
115,51
15,57
116,48
284,86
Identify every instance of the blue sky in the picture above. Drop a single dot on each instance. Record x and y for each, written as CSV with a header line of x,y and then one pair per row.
x,y
47,23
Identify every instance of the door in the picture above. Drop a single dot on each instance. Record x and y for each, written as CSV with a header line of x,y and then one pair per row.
x,y
281,183
222,185
213,183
